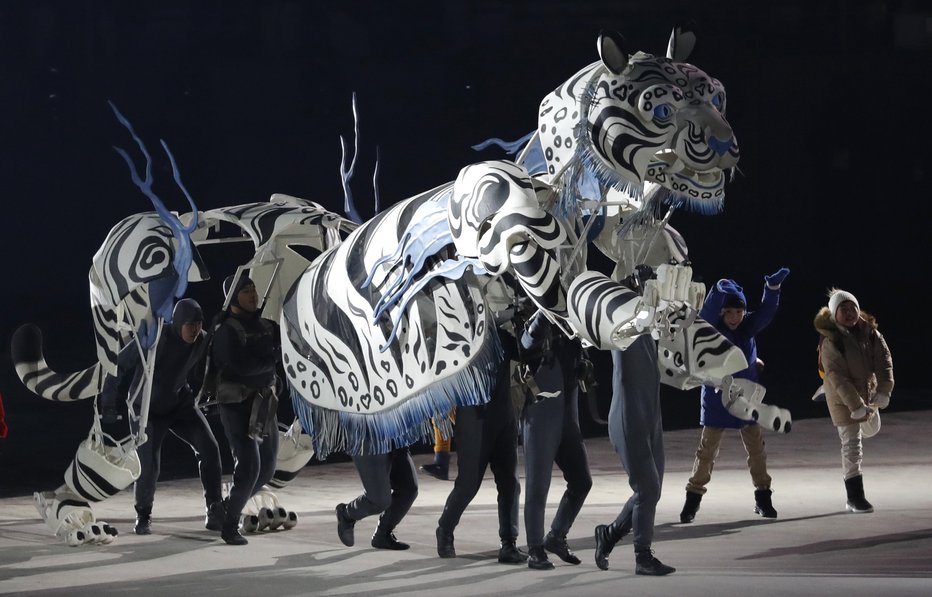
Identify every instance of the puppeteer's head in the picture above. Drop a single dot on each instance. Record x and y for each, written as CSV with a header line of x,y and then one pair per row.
x,y
245,297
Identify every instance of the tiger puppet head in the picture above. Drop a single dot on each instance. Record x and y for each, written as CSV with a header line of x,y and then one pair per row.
x,y
635,118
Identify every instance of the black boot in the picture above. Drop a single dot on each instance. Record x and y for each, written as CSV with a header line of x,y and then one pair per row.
x,y
537,559
606,536
230,530
215,515
143,521
558,546
690,507
856,501
445,547
648,565
386,540
440,468
345,526
510,554
762,503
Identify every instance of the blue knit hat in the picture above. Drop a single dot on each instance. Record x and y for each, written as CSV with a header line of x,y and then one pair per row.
x,y
734,294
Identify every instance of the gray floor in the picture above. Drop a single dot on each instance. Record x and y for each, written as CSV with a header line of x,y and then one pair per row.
x,y
813,548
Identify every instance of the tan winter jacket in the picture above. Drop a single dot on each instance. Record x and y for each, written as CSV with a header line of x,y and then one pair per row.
x,y
857,364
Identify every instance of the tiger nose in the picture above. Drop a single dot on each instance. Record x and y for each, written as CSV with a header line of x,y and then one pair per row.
x,y
717,134
721,140
719,146
727,151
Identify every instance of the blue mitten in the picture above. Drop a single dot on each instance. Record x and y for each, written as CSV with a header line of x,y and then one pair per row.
x,y
775,279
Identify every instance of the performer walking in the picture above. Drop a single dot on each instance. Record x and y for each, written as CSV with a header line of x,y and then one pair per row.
x,y
487,436
171,409
635,429
551,434
389,488
246,353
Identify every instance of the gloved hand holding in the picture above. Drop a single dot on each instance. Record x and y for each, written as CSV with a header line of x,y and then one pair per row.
x,y
880,400
524,307
860,414
775,279
539,327
641,274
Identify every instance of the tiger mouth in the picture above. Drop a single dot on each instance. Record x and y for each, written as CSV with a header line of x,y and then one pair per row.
x,y
672,165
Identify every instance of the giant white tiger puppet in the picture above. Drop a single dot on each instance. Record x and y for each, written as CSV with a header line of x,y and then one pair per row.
x,y
392,327
137,274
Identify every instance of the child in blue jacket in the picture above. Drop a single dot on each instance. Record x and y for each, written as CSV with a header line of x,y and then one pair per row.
x,y
726,309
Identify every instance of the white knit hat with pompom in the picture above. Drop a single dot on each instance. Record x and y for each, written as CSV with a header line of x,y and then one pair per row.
x,y
836,297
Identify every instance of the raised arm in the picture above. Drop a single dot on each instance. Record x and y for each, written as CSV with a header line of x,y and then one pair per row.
x,y
761,317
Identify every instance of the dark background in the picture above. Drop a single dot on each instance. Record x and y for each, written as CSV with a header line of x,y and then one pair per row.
x,y
829,101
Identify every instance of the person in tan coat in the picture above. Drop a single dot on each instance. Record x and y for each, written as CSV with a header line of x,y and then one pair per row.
x,y
858,373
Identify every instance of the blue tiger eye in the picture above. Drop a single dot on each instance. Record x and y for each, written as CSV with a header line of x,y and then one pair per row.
x,y
717,100
663,112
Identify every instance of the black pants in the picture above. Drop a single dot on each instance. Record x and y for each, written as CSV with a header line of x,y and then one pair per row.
x,y
189,425
551,434
635,428
486,436
389,484
253,461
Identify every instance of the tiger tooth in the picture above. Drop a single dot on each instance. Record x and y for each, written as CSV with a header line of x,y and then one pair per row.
x,y
676,166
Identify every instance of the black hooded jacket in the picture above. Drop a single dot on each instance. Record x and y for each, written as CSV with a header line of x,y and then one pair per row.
x,y
175,362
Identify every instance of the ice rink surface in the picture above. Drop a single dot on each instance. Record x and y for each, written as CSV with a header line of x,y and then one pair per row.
x,y
813,548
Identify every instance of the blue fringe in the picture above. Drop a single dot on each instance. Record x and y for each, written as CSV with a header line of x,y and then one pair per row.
x,y
410,421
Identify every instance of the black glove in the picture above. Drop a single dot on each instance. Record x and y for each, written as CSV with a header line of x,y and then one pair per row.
x,y
540,328
642,273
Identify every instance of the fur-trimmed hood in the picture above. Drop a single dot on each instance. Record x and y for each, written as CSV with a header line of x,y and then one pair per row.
x,y
825,324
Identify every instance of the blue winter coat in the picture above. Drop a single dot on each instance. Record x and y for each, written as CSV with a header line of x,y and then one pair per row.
x,y
713,412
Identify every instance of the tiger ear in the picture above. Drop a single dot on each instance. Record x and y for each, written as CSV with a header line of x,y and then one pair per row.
x,y
682,42
612,51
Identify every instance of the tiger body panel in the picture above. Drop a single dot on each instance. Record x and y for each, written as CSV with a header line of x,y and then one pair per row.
x,y
377,294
